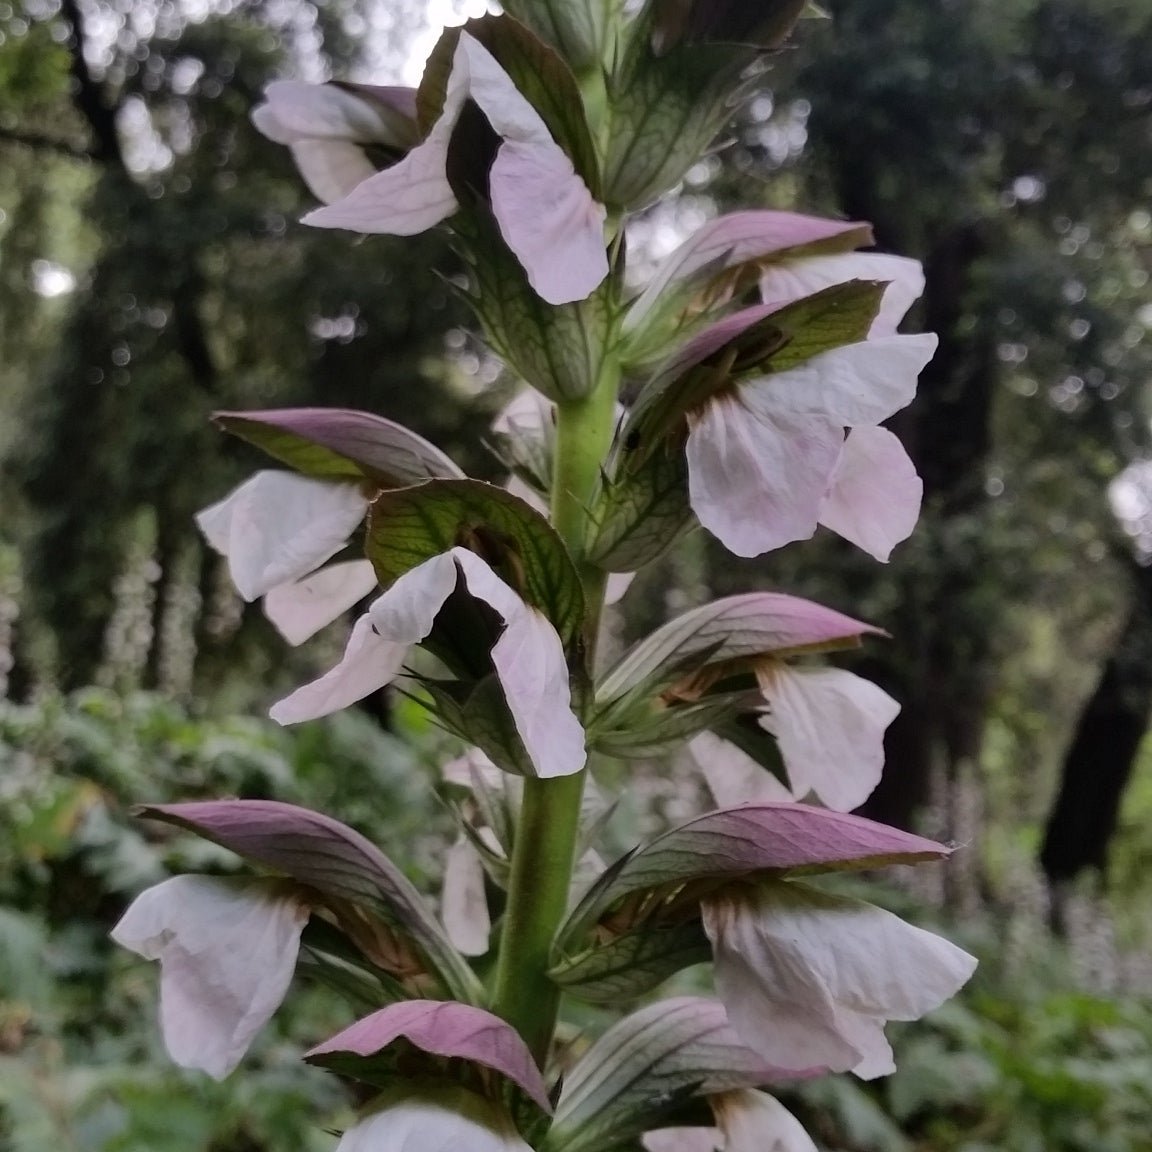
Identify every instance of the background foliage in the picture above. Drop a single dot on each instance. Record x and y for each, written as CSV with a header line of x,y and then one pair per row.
x,y
151,270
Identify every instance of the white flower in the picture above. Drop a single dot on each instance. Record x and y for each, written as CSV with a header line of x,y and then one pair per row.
x,y
463,902
528,657
763,457
746,1121
830,726
445,1119
227,950
809,979
300,609
327,125
276,530
543,208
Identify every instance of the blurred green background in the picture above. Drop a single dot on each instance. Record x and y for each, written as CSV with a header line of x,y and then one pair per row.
x,y
152,270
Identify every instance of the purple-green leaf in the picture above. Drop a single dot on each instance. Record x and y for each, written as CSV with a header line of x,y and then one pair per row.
x,y
774,838
340,443
734,628
647,1065
440,1028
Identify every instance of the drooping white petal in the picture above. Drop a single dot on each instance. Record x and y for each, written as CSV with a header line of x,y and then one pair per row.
x,y
530,663
549,220
756,478
795,279
301,609
414,194
227,950
379,643
809,979
874,498
753,1121
278,527
857,384
294,110
444,1119
733,777
463,903
830,726
332,169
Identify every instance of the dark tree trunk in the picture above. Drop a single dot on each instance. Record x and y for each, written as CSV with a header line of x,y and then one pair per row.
x,y
1103,752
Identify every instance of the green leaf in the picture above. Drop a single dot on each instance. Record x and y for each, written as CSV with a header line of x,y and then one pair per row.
x,y
649,731
832,318
408,526
633,963
341,444
644,1068
641,512
559,349
574,27
479,715
750,344
666,111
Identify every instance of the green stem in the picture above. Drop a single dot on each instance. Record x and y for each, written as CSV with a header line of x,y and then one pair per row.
x,y
548,829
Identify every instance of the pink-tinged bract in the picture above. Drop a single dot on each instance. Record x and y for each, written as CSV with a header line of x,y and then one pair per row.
x,y
444,1028
740,237
752,624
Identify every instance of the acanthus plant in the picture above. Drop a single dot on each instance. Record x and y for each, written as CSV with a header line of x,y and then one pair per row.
x,y
533,136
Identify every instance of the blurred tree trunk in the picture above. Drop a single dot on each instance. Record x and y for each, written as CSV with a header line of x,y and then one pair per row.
x,y
1104,749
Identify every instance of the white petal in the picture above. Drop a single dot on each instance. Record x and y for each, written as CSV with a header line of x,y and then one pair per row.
x,y
463,903
379,643
809,979
278,527
332,168
301,609
861,383
732,775
530,663
548,218
753,1121
756,479
681,1140
830,727
474,762
795,279
412,195
508,111
295,111
227,950
445,1119
874,498
528,413
616,586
